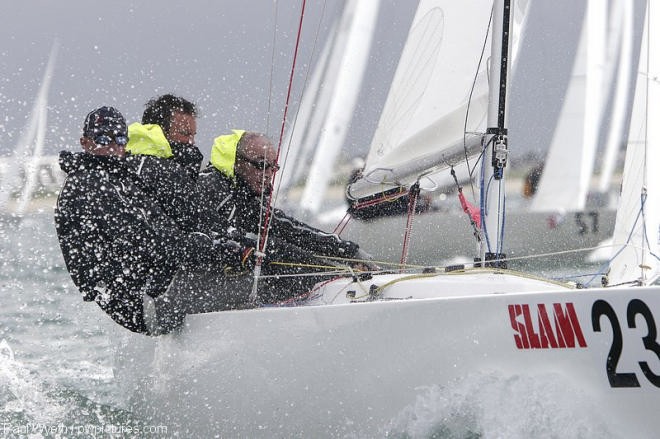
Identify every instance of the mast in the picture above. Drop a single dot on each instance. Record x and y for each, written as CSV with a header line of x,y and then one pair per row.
x,y
496,153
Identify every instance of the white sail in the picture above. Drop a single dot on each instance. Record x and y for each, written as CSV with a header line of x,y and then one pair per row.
x,y
637,230
302,135
362,16
570,160
29,148
436,108
623,14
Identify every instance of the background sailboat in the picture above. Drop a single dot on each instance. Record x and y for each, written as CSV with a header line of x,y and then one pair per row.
x,y
313,142
566,191
27,154
557,219
626,44
636,241
569,164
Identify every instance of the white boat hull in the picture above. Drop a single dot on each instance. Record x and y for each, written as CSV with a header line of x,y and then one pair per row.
x,y
365,369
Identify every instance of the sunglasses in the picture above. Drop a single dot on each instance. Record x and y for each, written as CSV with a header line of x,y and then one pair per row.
x,y
105,139
260,164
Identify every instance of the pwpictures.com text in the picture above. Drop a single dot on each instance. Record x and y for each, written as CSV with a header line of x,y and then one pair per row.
x,y
75,430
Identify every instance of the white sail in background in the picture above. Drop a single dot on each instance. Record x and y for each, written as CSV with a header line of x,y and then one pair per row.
x,y
30,145
302,135
441,80
622,15
637,230
570,160
362,15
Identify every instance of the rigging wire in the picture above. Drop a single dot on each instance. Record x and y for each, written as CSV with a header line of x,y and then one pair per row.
x,y
284,116
467,112
276,188
261,243
501,208
260,247
302,93
342,224
604,266
272,64
483,195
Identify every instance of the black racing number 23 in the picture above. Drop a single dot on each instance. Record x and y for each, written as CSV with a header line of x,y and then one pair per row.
x,y
636,307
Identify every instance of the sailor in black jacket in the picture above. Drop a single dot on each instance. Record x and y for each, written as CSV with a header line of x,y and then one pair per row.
x,y
119,246
177,117
242,163
151,162
164,162
153,167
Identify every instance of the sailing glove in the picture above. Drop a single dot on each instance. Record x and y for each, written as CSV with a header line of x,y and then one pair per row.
x,y
235,255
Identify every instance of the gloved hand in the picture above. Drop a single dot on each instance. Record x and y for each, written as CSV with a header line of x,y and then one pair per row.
x,y
365,262
235,255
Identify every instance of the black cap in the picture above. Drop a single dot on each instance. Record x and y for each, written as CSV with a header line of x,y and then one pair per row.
x,y
105,120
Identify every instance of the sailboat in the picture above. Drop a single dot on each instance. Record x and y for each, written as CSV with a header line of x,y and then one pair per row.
x,y
28,152
634,247
562,217
313,142
366,353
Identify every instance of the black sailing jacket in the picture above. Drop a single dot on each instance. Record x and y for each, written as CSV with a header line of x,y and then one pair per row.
x,y
117,243
170,185
241,208
189,157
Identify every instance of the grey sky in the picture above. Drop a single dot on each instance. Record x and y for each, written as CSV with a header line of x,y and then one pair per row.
x,y
219,53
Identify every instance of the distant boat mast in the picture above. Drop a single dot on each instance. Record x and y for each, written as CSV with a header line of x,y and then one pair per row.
x,y
29,148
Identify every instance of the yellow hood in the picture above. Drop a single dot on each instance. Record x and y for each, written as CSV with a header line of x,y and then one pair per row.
x,y
148,140
223,152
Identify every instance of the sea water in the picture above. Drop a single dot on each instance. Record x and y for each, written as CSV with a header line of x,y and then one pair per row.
x,y
56,376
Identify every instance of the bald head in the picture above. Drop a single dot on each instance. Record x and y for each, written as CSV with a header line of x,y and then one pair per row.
x,y
256,161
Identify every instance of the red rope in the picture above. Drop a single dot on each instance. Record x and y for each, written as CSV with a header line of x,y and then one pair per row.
x,y
339,229
264,231
412,204
383,199
342,224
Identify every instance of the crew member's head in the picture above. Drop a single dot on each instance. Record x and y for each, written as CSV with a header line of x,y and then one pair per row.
x,y
247,155
175,115
105,132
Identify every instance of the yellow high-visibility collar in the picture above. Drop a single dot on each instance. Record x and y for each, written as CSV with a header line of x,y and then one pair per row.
x,y
223,152
148,139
